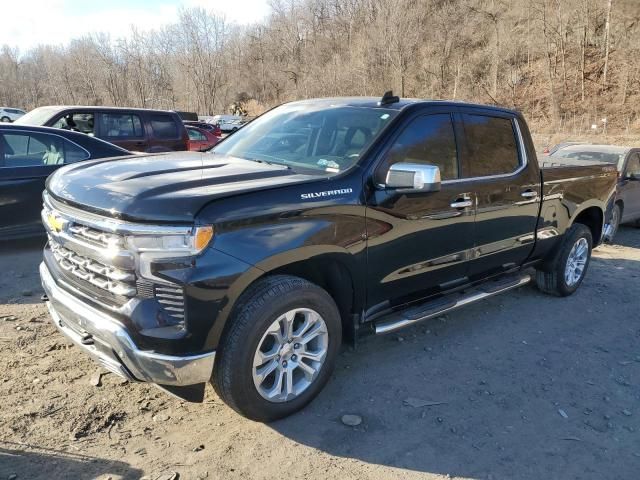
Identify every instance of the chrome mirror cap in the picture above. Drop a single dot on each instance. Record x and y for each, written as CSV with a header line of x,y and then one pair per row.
x,y
413,177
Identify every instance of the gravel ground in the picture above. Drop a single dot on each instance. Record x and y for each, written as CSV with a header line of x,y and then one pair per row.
x,y
523,386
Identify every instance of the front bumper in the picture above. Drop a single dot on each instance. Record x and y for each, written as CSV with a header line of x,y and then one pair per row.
x,y
108,343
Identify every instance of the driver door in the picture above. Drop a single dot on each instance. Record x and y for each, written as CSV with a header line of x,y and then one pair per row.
x,y
419,243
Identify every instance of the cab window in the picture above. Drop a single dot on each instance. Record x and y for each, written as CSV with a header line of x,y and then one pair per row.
x,y
427,140
491,143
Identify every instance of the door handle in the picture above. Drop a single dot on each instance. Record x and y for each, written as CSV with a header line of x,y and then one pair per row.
x,y
461,203
529,194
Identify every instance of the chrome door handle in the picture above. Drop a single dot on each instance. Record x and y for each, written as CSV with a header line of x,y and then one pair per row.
x,y
461,204
529,194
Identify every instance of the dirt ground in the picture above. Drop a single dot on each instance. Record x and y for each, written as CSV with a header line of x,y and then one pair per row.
x,y
532,387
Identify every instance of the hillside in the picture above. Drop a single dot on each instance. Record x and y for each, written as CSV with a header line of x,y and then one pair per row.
x,y
568,64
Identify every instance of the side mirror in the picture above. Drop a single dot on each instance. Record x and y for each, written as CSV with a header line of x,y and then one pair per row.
x,y
413,177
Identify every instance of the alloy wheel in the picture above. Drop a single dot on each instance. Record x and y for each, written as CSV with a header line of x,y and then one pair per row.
x,y
576,262
290,355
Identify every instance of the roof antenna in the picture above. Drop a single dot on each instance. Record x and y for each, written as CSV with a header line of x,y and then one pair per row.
x,y
388,98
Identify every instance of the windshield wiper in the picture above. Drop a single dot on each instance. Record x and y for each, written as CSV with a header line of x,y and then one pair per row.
x,y
259,160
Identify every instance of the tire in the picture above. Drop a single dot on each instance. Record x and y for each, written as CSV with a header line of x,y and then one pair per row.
x,y
552,279
616,215
5,120
235,377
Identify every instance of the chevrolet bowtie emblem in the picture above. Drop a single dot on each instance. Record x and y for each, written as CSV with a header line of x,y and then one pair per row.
x,y
55,223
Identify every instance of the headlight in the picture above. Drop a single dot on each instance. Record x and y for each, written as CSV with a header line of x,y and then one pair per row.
x,y
150,248
173,245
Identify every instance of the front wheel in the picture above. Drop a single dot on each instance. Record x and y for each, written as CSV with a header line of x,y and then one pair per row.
x,y
5,120
567,269
279,350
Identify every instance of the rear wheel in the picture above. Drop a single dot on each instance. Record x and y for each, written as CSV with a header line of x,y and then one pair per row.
x,y
566,271
279,350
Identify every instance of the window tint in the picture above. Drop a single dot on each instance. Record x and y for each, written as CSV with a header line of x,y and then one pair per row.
x,y
37,149
164,126
428,140
77,122
117,125
633,165
492,146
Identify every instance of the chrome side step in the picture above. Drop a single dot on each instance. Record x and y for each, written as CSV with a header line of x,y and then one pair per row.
x,y
404,318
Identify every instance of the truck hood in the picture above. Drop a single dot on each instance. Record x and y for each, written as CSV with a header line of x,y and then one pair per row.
x,y
167,188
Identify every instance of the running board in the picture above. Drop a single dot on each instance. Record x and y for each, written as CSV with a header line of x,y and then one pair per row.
x,y
404,318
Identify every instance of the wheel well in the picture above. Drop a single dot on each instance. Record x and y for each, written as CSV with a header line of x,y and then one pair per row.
x,y
592,218
332,276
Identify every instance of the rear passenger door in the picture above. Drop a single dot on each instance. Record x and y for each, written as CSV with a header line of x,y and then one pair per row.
x,y
507,190
123,129
26,160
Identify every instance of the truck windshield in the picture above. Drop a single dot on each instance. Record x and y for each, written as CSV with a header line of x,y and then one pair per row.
x,y
325,138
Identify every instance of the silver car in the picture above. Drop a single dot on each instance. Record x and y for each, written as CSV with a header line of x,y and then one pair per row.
x,y
10,114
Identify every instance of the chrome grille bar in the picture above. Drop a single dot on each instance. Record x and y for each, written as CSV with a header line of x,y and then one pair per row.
x,y
99,275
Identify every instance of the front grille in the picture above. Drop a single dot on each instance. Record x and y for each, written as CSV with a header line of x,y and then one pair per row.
x,y
113,280
98,263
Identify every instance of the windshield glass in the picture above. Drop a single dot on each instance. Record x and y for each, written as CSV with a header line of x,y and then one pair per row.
x,y
38,116
588,157
318,137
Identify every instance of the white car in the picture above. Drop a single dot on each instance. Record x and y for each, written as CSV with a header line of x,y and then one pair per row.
x,y
10,114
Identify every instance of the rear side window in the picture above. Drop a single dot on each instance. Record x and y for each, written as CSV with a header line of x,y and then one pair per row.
x,y
492,146
164,126
428,140
195,135
37,149
117,125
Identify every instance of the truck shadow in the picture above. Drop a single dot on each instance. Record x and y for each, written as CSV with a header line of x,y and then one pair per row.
x,y
31,462
525,386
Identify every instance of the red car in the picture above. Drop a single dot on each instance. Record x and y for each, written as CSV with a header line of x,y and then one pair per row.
x,y
209,127
200,139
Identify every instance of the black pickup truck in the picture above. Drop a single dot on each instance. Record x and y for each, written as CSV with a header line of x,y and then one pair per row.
x,y
321,220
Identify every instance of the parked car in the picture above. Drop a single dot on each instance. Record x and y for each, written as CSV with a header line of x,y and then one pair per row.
x,y
28,155
551,150
8,115
227,123
626,207
200,139
211,127
321,218
135,129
